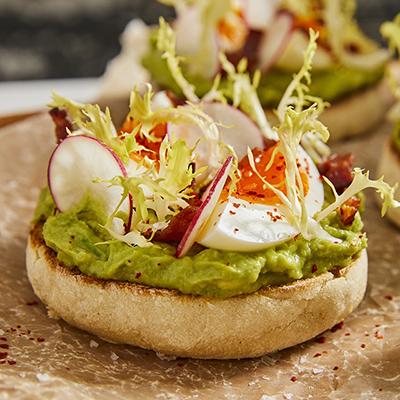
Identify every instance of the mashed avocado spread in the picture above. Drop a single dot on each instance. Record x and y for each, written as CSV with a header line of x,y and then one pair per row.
x,y
330,84
80,241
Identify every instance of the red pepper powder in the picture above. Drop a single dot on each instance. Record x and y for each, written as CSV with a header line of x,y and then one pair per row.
x,y
3,355
314,268
321,339
363,346
4,346
40,339
389,297
317,355
293,379
337,326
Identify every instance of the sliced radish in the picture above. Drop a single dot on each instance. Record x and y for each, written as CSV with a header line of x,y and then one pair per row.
x,y
275,40
366,61
74,165
210,200
259,13
189,39
292,57
237,130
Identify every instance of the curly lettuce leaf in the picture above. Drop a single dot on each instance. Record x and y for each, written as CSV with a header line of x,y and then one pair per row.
x,y
244,94
361,181
89,119
166,41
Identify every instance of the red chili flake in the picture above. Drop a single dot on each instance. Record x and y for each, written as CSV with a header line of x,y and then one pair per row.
x,y
2,361
13,330
236,230
3,355
18,326
314,268
335,368
389,297
321,339
378,335
293,379
317,355
347,334
31,338
337,326
236,205
40,339
377,325
232,212
4,346
4,339
11,362
363,346
367,334
138,275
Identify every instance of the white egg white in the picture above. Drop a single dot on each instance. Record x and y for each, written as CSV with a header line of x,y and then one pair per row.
x,y
239,225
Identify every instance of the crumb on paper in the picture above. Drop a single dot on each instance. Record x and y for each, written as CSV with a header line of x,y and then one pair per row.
x,y
93,344
114,356
317,371
165,357
42,377
288,396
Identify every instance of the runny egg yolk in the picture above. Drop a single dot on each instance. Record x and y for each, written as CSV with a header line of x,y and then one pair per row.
x,y
158,132
252,189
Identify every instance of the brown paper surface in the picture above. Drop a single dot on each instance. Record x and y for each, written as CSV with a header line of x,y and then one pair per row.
x,y
42,358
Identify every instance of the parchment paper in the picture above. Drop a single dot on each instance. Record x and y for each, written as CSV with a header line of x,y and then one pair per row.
x,y
41,358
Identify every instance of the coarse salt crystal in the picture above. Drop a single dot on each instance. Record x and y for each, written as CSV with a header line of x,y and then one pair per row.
x,y
114,356
93,344
42,377
317,371
288,396
2,332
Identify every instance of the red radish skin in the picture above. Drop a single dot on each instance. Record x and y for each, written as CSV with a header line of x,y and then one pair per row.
x,y
104,150
210,199
275,40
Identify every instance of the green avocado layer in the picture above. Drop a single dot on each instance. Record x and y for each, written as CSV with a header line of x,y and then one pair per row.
x,y
330,84
78,239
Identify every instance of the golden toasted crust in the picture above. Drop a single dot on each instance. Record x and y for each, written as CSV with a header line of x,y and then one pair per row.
x,y
390,168
169,322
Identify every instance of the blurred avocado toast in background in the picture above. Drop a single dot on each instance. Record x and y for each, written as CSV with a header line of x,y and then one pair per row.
x,y
272,36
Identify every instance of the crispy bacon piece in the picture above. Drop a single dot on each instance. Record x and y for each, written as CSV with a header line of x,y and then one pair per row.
x,y
176,229
339,170
62,123
348,211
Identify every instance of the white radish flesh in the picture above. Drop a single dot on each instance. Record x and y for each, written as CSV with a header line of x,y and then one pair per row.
x,y
275,40
237,130
74,166
259,13
210,200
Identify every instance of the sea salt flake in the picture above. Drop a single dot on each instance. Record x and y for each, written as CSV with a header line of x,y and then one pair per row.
x,y
42,377
2,332
317,371
93,344
114,356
